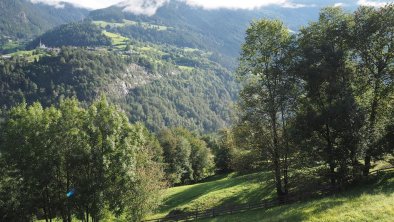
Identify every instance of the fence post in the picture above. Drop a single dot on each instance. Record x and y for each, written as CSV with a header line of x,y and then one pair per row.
x,y
196,214
213,212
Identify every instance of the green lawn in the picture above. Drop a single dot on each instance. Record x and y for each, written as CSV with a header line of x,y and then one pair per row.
x,y
10,46
371,202
219,190
117,40
29,55
145,25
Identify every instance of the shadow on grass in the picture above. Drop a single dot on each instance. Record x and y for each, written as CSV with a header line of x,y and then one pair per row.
x,y
223,182
302,211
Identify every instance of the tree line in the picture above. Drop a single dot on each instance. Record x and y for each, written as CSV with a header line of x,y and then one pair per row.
x,y
89,162
322,97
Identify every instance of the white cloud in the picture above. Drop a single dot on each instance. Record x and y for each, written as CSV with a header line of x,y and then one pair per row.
x,y
142,7
241,4
56,4
340,4
90,4
149,7
372,3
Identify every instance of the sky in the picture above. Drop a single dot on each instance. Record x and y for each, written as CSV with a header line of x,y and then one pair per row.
x,y
149,7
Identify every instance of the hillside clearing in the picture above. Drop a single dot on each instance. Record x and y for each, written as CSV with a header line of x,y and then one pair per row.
x,y
371,202
219,190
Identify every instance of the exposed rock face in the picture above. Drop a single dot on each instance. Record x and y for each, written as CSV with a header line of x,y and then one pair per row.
x,y
133,77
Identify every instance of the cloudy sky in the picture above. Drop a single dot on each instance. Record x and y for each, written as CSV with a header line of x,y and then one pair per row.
x,y
150,6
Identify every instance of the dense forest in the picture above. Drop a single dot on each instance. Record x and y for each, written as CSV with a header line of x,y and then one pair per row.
x,y
81,34
21,19
197,99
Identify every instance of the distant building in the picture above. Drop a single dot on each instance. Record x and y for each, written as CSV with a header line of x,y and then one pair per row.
x,y
42,46
6,56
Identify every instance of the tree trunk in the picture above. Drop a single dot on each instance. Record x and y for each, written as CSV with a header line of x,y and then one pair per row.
x,y
331,158
46,214
68,188
371,132
276,157
285,175
87,215
286,165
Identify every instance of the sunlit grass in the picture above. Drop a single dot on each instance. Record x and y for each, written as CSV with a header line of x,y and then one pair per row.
x,y
371,202
11,45
220,190
117,40
185,68
29,55
145,25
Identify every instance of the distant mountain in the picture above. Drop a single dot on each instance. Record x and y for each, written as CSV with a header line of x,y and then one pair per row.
x,y
170,69
168,95
22,19
220,30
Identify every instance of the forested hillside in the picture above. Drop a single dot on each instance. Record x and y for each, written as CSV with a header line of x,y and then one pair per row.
x,y
23,19
220,31
81,34
160,95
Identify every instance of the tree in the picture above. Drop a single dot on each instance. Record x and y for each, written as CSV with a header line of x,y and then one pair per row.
x,y
330,117
128,47
264,100
93,155
372,40
187,156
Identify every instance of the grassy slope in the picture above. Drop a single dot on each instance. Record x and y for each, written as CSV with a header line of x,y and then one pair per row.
x,y
117,40
104,24
218,190
371,202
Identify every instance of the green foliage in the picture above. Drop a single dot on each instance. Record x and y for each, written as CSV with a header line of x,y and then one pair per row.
x,y
80,34
174,101
372,44
222,147
22,19
266,100
322,98
187,157
94,152
155,92
73,72
329,115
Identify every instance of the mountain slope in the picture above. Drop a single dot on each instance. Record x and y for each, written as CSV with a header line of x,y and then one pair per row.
x,y
169,69
22,19
149,89
219,30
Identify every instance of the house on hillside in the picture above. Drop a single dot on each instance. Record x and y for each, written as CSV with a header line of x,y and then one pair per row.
x,y
6,57
42,46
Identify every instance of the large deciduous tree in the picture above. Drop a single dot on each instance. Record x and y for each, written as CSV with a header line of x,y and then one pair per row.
x,y
373,43
331,116
265,100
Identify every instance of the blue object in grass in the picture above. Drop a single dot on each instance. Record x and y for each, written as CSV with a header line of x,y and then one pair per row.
x,y
71,193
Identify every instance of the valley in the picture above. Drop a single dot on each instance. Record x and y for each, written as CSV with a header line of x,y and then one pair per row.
x,y
169,110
